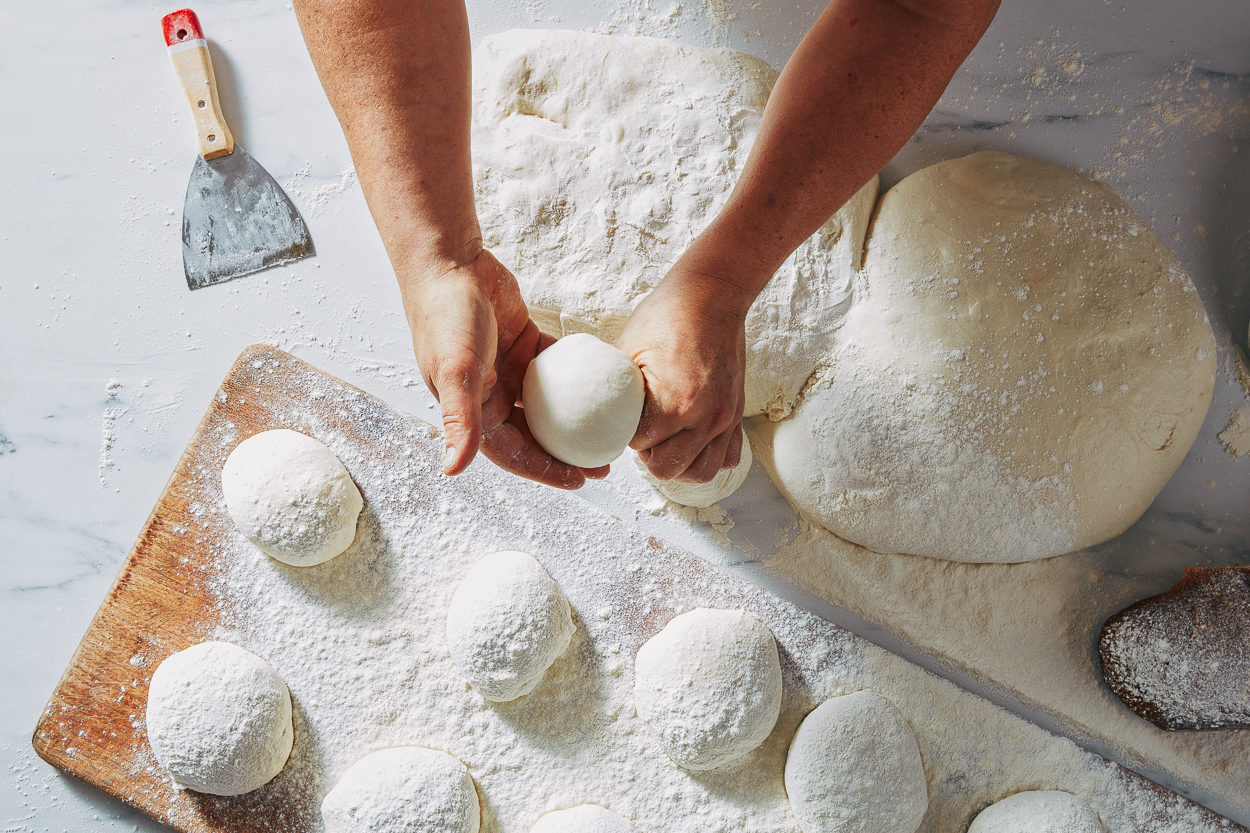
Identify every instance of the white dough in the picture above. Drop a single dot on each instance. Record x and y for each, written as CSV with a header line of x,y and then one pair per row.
x,y
709,686
405,789
219,719
507,623
1024,366
1038,811
291,497
582,400
594,172
703,495
854,767
587,818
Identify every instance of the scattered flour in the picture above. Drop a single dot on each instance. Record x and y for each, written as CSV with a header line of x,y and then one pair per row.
x,y
1236,436
108,421
1030,629
594,172
315,200
359,641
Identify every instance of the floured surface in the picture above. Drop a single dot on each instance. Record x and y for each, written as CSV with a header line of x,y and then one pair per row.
x,y
359,642
594,171
1029,630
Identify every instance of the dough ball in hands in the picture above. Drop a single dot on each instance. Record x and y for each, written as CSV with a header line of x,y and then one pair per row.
x,y
854,767
1024,366
1038,811
709,686
219,719
703,495
507,623
582,400
291,497
406,789
587,818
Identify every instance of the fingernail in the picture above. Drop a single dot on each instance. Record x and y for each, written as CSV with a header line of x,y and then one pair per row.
x,y
449,458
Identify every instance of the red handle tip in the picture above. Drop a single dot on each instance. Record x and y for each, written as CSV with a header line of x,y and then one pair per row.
x,y
180,26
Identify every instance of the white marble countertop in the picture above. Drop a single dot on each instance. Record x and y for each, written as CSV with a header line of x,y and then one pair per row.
x,y
107,361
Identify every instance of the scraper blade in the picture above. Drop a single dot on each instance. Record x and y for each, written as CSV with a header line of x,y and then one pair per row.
x,y
236,220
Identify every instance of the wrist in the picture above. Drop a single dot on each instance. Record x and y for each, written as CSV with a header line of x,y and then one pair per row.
x,y
424,260
715,277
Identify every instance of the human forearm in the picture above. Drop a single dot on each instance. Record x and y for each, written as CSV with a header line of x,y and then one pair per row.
x,y
856,89
397,74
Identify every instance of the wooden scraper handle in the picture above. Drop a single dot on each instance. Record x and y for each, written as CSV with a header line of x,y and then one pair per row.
x,y
189,51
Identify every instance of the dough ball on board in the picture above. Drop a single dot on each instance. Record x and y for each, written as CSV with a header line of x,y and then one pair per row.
x,y
1024,366
703,495
219,719
1038,811
854,767
507,623
709,686
587,818
291,497
406,789
582,400
596,161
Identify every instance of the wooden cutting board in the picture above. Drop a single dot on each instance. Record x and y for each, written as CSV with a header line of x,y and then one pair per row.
x,y
168,596
166,599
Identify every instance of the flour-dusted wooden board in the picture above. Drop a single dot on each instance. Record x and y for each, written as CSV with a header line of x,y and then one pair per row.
x,y
167,597
170,594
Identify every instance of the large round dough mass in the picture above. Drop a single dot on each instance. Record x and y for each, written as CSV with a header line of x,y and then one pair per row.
x,y
219,719
854,767
586,818
703,495
582,400
507,623
594,172
405,789
291,497
1038,811
1024,366
709,686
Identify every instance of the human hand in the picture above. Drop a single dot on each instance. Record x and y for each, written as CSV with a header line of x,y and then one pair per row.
x,y
473,339
689,339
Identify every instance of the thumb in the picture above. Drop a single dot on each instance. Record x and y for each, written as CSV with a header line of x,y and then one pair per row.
x,y
459,390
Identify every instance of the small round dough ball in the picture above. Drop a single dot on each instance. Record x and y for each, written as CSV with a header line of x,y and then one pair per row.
x,y
291,497
1038,811
587,818
1024,366
507,623
854,767
219,719
583,399
406,789
709,686
703,495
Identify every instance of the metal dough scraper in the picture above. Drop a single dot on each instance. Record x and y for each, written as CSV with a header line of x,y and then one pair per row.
x,y
235,219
